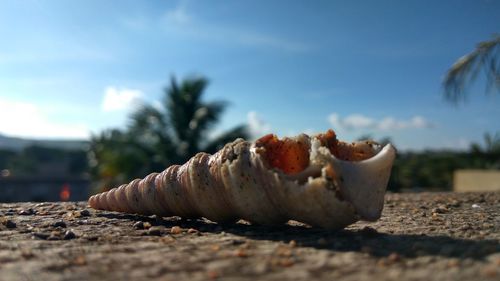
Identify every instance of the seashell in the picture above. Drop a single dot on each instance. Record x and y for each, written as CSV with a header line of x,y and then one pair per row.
x,y
316,180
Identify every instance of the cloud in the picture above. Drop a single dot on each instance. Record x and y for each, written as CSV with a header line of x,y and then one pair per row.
x,y
119,99
359,121
460,143
180,21
23,119
178,15
256,125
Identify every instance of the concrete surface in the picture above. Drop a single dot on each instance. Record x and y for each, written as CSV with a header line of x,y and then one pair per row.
x,y
423,236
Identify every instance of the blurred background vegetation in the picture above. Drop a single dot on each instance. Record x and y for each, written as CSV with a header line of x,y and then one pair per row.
x,y
160,136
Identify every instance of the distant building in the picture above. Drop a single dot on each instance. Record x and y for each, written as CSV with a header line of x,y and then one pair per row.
x,y
476,180
40,189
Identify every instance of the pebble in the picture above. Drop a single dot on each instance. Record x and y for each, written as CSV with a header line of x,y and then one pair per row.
x,y
26,212
369,231
193,231
176,230
59,224
154,231
9,224
440,210
68,235
85,213
138,225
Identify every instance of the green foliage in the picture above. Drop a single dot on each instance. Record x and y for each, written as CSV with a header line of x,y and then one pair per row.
x,y
430,170
157,137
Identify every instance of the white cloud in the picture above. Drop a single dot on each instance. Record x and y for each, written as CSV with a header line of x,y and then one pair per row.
x,y
460,143
181,22
178,15
23,119
119,99
359,121
256,125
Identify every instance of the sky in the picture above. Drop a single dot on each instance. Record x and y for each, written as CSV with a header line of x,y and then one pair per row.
x,y
70,69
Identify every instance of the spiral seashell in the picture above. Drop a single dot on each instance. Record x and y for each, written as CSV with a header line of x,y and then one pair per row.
x,y
316,180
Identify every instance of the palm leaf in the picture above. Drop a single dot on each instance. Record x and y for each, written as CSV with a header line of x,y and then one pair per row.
x,y
466,69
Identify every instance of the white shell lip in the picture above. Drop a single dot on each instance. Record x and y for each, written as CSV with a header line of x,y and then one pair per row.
x,y
363,183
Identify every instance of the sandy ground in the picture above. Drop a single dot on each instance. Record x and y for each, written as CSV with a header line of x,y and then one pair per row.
x,y
424,236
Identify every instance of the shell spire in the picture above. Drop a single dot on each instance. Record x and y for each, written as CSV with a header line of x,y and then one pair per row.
x,y
316,180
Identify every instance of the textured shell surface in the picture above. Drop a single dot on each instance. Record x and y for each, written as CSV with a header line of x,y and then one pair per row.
x,y
316,180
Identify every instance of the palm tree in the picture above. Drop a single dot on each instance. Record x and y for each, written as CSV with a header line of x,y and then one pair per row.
x,y
466,69
160,136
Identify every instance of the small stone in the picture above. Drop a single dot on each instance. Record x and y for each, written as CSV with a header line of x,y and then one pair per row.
x,y
475,206
142,225
176,230
138,225
74,214
193,231
435,217
41,235
369,231
59,224
85,213
292,243
26,212
154,231
440,210
10,224
68,235
465,227
83,222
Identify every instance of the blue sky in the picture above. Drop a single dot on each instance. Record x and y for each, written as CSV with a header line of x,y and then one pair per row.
x,y
72,68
